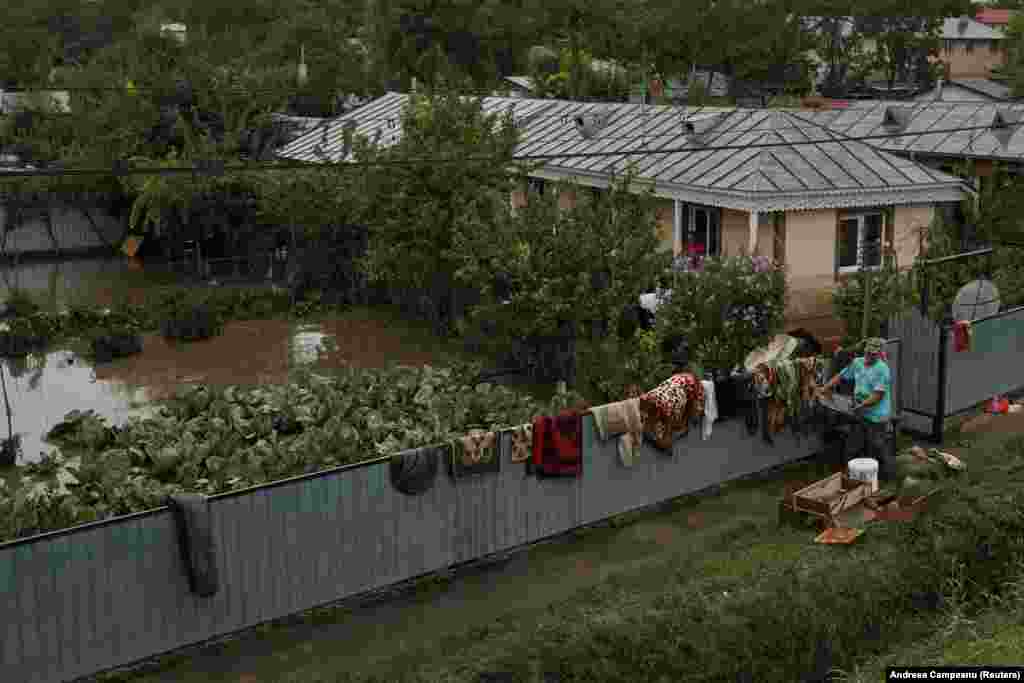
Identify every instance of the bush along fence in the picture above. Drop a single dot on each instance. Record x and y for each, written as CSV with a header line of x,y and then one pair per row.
x,y
944,377
109,593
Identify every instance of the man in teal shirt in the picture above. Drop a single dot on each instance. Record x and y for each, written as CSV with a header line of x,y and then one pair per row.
x,y
872,400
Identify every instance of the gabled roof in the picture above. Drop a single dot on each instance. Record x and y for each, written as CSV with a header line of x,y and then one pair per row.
x,y
965,28
866,118
806,166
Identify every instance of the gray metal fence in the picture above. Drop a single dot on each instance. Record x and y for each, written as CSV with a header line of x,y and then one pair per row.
x,y
920,362
939,382
993,365
108,594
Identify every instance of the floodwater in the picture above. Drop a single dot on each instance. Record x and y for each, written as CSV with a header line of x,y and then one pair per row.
x,y
43,388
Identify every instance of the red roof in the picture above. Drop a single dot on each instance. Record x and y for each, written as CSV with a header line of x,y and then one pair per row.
x,y
995,17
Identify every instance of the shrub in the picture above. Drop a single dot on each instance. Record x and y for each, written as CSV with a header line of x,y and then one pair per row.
x,y
724,307
20,303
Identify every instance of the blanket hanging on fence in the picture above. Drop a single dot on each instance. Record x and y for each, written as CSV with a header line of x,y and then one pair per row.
x,y
558,445
622,419
963,336
475,453
196,541
413,472
669,408
521,443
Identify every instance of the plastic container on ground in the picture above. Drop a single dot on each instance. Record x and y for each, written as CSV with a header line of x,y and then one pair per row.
x,y
865,469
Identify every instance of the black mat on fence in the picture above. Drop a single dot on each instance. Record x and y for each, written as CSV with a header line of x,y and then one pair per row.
x,y
413,472
196,541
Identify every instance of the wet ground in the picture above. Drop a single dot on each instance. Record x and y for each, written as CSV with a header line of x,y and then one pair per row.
x,y
43,388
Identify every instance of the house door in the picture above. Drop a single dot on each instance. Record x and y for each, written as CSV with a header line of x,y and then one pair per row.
x,y
703,234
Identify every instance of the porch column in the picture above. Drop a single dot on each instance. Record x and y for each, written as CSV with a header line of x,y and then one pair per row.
x,y
754,221
677,227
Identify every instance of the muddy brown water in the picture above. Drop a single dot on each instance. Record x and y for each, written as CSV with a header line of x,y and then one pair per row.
x,y
44,387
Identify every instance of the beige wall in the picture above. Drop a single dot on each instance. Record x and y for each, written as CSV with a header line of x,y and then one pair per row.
x,y
735,232
978,63
518,198
567,199
909,224
664,212
736,235
810,262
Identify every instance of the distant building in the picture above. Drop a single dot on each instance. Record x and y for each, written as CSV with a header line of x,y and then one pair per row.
x,y
970,49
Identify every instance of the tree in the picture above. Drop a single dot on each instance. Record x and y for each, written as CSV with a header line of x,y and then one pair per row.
x,y
417,212
1014,40
552,272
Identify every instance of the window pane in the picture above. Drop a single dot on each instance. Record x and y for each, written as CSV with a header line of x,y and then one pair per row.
x,y
847,242
872,244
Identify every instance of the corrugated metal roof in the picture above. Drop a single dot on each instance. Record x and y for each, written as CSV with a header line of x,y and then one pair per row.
x,y
865,118
524,82
985,86
805,156
965,28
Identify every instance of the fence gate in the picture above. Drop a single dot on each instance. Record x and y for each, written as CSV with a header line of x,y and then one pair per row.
x,y
919,380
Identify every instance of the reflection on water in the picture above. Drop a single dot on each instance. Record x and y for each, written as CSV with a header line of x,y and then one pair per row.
x,y
43,388
86,281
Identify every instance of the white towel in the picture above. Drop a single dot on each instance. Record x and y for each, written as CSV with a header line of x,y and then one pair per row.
x,y
710,409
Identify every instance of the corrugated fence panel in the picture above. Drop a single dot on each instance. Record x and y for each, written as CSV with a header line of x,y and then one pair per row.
x,y
110,594
919,351
995,364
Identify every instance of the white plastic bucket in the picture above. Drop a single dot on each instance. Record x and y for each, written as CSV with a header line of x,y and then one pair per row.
x,y
865,469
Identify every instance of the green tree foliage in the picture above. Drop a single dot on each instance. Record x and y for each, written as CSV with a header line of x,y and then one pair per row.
x,y
417,212
1014,67
580,265
724,307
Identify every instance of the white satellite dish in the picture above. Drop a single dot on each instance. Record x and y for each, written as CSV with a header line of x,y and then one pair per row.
x,y
976,299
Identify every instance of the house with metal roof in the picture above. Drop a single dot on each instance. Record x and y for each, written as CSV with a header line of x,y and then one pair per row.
x,y
970,49
930,132
768,182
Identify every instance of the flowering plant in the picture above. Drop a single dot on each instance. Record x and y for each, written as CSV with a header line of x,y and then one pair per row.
x,y
725,308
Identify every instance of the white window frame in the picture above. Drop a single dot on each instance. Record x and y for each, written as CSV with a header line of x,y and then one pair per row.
x,y
861,226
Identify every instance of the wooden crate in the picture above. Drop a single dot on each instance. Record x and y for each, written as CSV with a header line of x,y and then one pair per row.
x,y
830,496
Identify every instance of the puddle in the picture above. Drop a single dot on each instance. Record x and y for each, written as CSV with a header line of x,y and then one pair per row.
x,y
42,388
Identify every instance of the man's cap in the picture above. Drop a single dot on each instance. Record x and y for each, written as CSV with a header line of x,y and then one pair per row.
x,y
873,345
